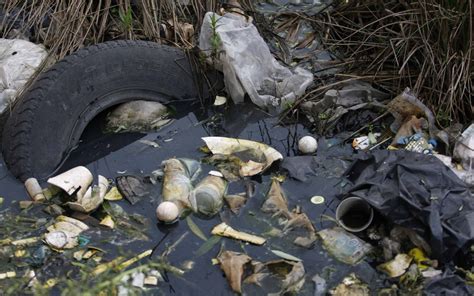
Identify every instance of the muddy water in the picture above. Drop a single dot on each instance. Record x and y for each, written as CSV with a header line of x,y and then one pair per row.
x,y
126,154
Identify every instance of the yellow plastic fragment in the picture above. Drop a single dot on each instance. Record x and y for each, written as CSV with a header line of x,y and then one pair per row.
x,y
419,257
7,275
20,253
108,222
113,194
50,283
5,241
151,281
225,230
25,241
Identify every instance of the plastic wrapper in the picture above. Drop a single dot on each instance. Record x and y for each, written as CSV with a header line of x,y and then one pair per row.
x,y
247,63
19,60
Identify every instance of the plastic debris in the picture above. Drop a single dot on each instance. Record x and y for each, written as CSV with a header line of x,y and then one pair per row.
x,y
34,189
225,230
220,101
354,214
85,254
353,96
137,116
421,260
344,246
320,285
64,233
151,280
416,191
351,285
247,63
364,142
207,197
75,181
7,275
138,279
412,125
307,145
464,149
261,156
404,108
177,185
302,168
132,188
19,59
113,194
397,266
26,241
317,200
108,222
92,199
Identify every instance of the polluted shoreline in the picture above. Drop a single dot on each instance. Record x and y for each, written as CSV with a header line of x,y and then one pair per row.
x,y
234,148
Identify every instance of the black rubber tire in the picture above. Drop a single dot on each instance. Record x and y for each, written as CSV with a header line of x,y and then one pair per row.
x,y
46,123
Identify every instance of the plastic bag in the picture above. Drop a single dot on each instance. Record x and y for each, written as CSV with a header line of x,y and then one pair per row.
x,y
247,63
19,60
419,192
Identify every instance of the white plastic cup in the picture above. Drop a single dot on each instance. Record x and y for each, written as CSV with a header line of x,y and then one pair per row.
x,y
354,214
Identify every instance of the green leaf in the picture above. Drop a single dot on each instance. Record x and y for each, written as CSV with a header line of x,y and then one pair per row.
x,y
286,256
208,245
195,229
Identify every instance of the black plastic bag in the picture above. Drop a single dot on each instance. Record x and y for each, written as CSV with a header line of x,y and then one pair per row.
x,y
417,191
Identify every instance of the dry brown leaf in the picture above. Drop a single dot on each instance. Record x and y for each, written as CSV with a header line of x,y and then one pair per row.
x,y
233,263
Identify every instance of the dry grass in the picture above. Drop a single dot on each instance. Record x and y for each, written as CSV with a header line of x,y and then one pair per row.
x,y
64,26
426,45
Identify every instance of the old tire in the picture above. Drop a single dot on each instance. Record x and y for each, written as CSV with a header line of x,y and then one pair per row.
x,y
46,123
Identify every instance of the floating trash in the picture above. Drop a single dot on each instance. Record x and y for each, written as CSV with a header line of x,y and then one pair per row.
x,y
225,230
307,145
317,200
344,246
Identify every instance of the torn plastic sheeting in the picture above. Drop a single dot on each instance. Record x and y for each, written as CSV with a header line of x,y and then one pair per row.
x,y
417,191
447,284
464,148
248,65
19,60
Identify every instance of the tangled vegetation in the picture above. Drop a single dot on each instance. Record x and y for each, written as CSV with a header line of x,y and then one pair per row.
x,y
426,45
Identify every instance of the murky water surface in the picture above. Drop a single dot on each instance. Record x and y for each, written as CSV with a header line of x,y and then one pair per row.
x,y
127,154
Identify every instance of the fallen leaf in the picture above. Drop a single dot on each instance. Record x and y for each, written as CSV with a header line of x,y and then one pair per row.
x,y
233,263
195,229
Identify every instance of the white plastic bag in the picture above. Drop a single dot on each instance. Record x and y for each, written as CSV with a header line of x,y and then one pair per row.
x,y
19,60
248,65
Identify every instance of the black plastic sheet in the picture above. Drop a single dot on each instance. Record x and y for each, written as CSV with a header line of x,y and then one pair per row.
x,y
417,191
447,284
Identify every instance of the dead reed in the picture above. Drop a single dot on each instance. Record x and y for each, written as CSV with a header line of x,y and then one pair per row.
x,y
426,45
